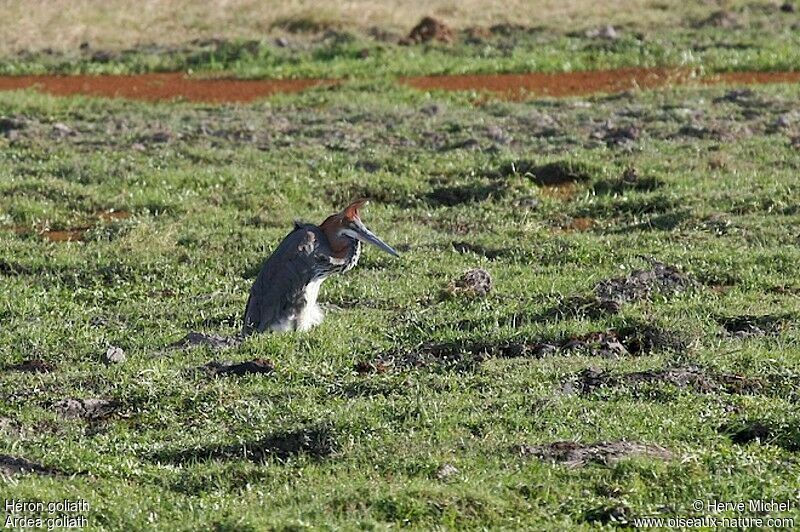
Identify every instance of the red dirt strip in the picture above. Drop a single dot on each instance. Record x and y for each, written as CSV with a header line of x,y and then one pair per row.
x,y
155,87
177,86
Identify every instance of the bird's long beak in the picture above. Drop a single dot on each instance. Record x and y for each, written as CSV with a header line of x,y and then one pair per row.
x,y
365,235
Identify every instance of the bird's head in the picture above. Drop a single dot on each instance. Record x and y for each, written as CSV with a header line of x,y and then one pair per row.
x,y
346,226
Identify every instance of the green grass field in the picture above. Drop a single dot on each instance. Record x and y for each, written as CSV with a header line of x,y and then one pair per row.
x,y
638,352
172,209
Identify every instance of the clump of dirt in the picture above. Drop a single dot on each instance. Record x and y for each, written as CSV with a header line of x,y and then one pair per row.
x,y
720,19
10,127
428,29
643,338
14,465
559,173
450,196
642,284
34,365
747,326
698,379
215,341
376,366
317,441
255,366
90,409
477,249
630,180
573,454
473,283
621,136
578,224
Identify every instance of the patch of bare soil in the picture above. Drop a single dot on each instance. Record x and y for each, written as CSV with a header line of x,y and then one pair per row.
x,y
642,284
13,465
634,340
316,441
748,326
428,29
65,235
32,366
453,195
152,87
90,409
476,282
704,381
610,294
579,224
720,19
520,86
177,86
617,136
573,454
255,366
214,341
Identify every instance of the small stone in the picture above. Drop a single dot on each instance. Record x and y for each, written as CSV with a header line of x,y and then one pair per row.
x,y
604,32
474,283
114,355
62,130
280,42
161,136
446,471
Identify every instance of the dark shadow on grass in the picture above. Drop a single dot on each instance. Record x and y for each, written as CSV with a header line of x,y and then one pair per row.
x,y
450,196
316,441
745,431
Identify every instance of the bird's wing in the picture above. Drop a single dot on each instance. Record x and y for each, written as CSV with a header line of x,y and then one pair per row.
x,y
284,274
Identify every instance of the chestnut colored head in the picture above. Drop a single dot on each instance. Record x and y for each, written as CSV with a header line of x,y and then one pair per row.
x,y
345,228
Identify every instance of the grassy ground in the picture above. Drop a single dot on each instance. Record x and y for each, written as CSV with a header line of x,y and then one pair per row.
x,y
175,206
361,39
119,24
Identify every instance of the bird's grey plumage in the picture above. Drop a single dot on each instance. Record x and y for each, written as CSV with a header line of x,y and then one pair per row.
x,y
284,294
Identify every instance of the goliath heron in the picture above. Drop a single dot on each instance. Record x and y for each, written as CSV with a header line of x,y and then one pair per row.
x,y
284,295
